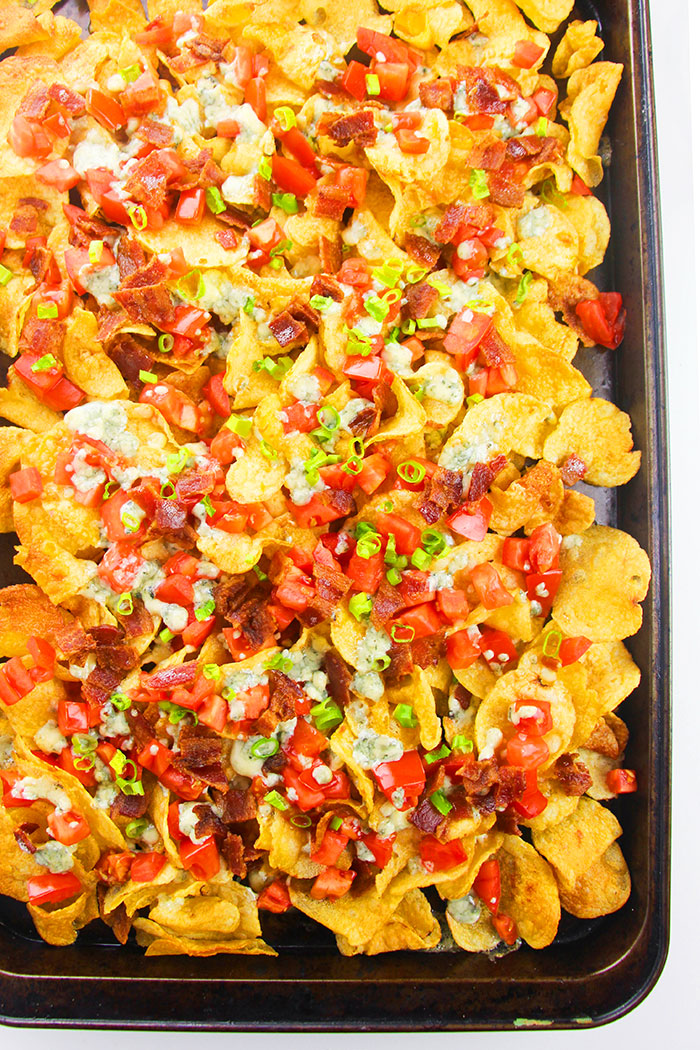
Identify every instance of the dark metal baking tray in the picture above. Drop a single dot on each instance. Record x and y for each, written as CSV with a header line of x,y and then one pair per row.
x,y
595,971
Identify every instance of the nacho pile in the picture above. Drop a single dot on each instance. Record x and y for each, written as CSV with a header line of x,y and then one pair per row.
x,y
321,616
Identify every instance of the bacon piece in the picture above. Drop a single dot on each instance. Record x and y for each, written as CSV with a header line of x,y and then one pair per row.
x,y
130,806
287,330
141,728
420,298
436,94
208,823
228,239
353,126
483,476
236,806
229,596
35,104
284,693
155,133
504,191
401,661
200,756
117,658
138,623
150,305
426,817
339,677
148,181
25,221
491,787
305,313
184,674
68,99
275,763
170,516
153,272
233,852
453,218
421,250
331,201
86,228
207,47
130,357
427,652
572,774
330,251
73,641
131,258
99,685
22,838
41,260
327,286
495,351
331,583
488,155
387,602
43,336
481,88
609,740
565,294
441,495
254,622
573,469
532,148
366,423
340,500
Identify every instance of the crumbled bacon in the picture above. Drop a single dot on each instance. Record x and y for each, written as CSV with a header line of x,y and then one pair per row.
x,y
170,516
427,652
495,351
183,674
228,239
330,252
401,661
331,201
86,228
385,605
233,852
436,94
287,330
129,806
141,728
74,641
155,133
366,423
255,622
573,469
441,495
207,47
426,817
23,840
99,685
129,356
420,298
421,250
572,774
236,806
35,104
327,286
532,148
68,99
339,677
331,583
25,220
504,191
353,126
488,155
230,595
284,693
491,787
483,476
43,336
207,822
147,305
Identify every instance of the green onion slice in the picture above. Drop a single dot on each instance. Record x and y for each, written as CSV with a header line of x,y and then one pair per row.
x,y
239,425
360,605
265,747
273,798
479,184
402,633
215,202
441,803
165,342
403,713
435,756
411,471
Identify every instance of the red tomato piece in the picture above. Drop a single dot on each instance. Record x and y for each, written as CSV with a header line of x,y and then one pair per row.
x,y
423,619
393,85
353,80
292,177
380,46
462,650
27,139
487,884
533,802
406,772
527,53
174,405
545,542
120,566
68,828
603,319
375,470
332,883
26,485
73,717
225,446
201,858
52,888
572,649
407,536
465,333
256,98
18,677
472,520
538,724
622,781
308,742
58,173
579,187
516,554
453,604
314,513
366,573
332,845
505,928
104,109
155,757
489,588
190,206
217,397
299,418
275,898
409,142
526,751
382,848
542,587
497,648
145,866
441,856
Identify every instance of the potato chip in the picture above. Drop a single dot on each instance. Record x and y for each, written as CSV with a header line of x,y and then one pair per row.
x,y
598,433
493,715
412,926
576,842
86,363
605,577
577,48
590,95
599,890
505,423
528,892
546,14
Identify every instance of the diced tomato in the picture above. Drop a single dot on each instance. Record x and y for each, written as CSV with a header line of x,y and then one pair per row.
x,y
542,587
478,121
197,630
299,418
105,109
354,182
41,652
177,589
452,604
393,85
52,888
406,772
527,53
58,173
308,797
382,848
407,536
120,567
225,446
472,521
505,928
156,34
462,650
255,700
332,845
214,713
182,563
66,760
526,751
190,206
365,369
300,148
113,868
374,43
409,142
572,649
603,319
533,802
375,470
201,858
186,787
9,778
218,398
68,828
18,677
489,588
332,883
516,554
423,619
465,333
355,272
275,898
308,742
64,396
314,513
535,725
189,322
441,856
240,69
497,648
122,524
326,379
256,98
174,405
353,80
545,542
27,139
155,757
74,717
40,382
295,590
26,485
544,99
487,884
622,781
366,573
146,866
579,187
291,176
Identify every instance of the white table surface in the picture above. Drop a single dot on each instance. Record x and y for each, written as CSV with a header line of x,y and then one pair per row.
x,y
672,1011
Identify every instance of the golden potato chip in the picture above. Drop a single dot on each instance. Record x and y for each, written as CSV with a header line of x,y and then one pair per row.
x,y
547,240
285,844
412,926
598,433
602,888
117,16
577,48
424,25
546,14
605,577
477,934
342,22
504,423
585,109
576,513
576,842
86,363
528,892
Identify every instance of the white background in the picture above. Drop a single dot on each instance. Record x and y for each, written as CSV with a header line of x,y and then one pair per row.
x,y
671,1013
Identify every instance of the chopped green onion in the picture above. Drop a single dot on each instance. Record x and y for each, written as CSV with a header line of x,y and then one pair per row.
x,y
239,425
166,636
184,284
419,393
285,116
329,418
551,644
417,220
513,251
176,713
523,287
208,506
435,756
360,605
138,216
276,264
441,288
479,185
327,715
387,274
415,273
95,249
5,275
474,399
394,576
212,672
403,713
439,800
165,342
249,305
376,308
541,127
125,605
301,820
387,506
280,662
352,466
135,828
168,490
433,541
273,798
462,743
45,363
552,195
430,322
147,377
287,202
283,246
129,787
215,202
336,823
265,747
175,462
130,73
203,612
259,573
380,663
402,633
393,336
408,326
84,762
130,521
420,559
359,342
321,302
265,169
118,762
368,546
83,744
277,369
411,471
47,310
267,450
372,83
363,528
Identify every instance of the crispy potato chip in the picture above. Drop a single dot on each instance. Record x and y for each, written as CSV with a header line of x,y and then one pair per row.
x,y
62,35
546,14
285,845
599,433
477,934
493,713
590,95
577,48
19,26
547,239
117,16
599,890
503,423
25,610
342,22
412,926
528,892
576,842
427,24
605,577
86,363
576,513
